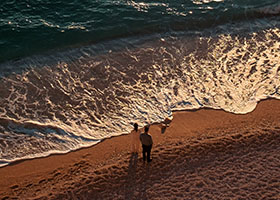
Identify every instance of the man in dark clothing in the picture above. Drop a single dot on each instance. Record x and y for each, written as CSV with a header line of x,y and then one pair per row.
x,y
147,143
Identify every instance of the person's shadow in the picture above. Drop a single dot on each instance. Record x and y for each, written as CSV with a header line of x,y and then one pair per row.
x,y
131,176
163,129
137,180
133,161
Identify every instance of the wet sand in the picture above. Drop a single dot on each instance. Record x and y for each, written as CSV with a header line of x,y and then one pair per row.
x,y
203,154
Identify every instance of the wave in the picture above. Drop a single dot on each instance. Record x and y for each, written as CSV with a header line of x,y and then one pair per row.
x,y
28,28
21,140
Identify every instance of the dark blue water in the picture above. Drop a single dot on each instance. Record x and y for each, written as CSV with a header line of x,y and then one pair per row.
x,y
30,27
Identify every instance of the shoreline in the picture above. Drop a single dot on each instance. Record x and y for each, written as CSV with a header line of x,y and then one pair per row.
x,y
18,161
199,126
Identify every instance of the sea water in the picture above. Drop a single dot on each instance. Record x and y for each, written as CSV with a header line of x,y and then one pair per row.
x,y
73,73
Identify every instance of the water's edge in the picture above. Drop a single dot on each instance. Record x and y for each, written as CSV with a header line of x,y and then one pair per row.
x,y
54,153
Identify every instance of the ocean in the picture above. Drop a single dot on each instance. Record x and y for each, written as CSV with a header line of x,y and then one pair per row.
x,y
73,73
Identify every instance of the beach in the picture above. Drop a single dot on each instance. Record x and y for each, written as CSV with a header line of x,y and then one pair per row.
x,y
202,154
76,75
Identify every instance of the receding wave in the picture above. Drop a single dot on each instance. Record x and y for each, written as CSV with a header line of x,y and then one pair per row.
x,y
76,98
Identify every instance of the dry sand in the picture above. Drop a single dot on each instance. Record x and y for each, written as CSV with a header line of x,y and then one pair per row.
x,y
204,154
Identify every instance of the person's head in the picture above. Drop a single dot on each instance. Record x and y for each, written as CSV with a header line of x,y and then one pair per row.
x,y
135,126
146,129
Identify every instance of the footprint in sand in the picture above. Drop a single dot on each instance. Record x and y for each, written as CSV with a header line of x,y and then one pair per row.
x,y
14,187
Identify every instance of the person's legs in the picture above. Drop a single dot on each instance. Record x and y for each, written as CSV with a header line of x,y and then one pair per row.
x,y
137,145
149,153
144,152
132,144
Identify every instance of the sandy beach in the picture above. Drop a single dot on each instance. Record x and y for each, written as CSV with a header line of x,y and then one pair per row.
x,y
203,154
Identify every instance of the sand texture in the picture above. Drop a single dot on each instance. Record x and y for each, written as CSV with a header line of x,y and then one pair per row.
x,y
204,154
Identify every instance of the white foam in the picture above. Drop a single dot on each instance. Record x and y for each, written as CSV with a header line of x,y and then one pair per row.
x,y
68,105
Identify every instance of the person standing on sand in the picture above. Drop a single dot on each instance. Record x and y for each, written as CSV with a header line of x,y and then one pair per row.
x,y
135,139
147,143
